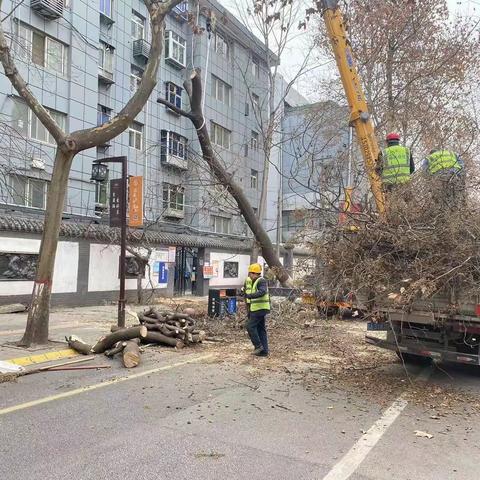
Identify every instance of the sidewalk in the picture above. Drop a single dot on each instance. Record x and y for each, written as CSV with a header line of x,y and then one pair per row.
x,y
89,323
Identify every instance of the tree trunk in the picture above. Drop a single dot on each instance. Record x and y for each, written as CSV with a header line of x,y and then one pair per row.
x,y
105,343
139,289
194,90
131,354
36,331
390,114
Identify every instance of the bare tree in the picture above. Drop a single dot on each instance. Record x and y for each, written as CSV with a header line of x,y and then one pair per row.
x,y
193,87
68,145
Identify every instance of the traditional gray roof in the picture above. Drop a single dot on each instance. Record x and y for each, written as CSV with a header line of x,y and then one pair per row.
x,y
104,233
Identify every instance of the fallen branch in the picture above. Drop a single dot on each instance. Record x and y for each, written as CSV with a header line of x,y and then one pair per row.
x,y
120,335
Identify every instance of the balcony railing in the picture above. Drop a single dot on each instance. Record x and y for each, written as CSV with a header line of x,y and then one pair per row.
x,y
174,213
174,161
105,76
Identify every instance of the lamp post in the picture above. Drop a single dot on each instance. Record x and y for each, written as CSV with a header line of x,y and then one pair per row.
x,y
100,174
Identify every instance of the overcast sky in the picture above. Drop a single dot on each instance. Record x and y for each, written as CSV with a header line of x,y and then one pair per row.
x,y
292,58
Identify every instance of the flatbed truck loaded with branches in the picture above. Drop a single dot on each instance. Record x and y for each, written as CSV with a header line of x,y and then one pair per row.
x,y
413,265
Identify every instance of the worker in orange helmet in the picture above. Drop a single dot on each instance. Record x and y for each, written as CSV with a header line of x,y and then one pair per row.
x,y
395,163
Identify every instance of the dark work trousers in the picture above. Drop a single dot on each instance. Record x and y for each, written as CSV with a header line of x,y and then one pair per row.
x,y
257,330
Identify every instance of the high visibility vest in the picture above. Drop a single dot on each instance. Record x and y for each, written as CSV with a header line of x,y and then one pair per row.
x,y
247,287
260,303
442,160
396,165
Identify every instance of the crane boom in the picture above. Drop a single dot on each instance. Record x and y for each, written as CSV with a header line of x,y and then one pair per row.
x,y
360,118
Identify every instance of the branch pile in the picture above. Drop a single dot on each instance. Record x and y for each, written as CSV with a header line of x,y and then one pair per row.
x,y
428,241
173,329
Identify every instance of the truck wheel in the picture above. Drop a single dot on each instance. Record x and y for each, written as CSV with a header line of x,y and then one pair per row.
x,y
414,359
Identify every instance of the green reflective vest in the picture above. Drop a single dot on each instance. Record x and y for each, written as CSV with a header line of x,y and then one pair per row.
x,y
396,165
247,287
442,160
260,303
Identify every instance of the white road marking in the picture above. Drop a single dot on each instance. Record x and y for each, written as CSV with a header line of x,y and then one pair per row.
x,y
88,388
349,463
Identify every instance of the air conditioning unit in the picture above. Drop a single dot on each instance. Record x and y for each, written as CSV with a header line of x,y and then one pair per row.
x,y
38,163
50,9
174,213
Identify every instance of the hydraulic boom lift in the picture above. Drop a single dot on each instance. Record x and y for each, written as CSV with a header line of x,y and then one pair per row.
x,y
360,118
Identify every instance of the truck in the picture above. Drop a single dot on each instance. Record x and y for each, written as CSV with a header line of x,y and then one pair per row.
x,y
445,327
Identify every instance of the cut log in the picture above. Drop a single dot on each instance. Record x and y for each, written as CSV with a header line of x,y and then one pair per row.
x,y
117,348
131,354
120,335
157,337
13,308
78,345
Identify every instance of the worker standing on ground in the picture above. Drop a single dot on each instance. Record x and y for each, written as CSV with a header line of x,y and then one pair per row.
x,y
395,163
247,289
448,168
259,308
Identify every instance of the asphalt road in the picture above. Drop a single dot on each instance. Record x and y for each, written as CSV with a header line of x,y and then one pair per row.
x,y
209,419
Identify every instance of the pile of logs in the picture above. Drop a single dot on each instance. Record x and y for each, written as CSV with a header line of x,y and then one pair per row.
x,y
173,329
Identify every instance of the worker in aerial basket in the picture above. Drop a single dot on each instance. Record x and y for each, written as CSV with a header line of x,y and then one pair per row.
x,y
395,163
447,167
259,308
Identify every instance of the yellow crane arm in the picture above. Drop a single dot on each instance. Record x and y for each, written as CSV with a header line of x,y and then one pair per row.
x,y
360,118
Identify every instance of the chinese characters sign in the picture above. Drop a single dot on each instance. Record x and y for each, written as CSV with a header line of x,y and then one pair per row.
x,y
116,202
135,202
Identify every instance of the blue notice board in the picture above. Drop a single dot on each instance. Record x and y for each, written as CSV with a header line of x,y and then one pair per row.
x,y
162,272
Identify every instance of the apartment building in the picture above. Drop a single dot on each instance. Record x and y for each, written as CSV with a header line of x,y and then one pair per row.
x,y
83,60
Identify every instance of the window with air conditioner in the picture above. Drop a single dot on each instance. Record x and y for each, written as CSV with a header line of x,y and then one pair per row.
x,y
44,51
175,49
173,149
28,192
220,136
254,140
104,114
135,136
221,91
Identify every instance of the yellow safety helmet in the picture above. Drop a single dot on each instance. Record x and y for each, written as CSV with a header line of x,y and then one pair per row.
x,y
255,268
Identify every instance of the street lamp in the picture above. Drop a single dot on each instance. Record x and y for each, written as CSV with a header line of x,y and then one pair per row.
x,y
100,174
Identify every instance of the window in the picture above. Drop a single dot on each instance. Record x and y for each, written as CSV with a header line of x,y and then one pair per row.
x,y
247,109
138,26
221,91
253,179
106,7
29,192
135,136
174,144
221,46
104,115
175,48
105,58
135,78
27,123
221,224
254,140
255,68
173,197
256,103
42,50
39,132
220,136
173,94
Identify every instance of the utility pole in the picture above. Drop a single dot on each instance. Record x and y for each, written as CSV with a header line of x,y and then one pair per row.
x,y
118,218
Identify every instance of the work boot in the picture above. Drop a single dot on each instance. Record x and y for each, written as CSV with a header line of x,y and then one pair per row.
x,y
260,353
257,351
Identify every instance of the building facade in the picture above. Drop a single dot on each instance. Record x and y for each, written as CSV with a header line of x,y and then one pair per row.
x,y
83,60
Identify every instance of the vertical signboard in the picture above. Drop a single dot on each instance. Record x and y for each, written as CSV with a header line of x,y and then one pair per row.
x,y
163,273
116,190
135,201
